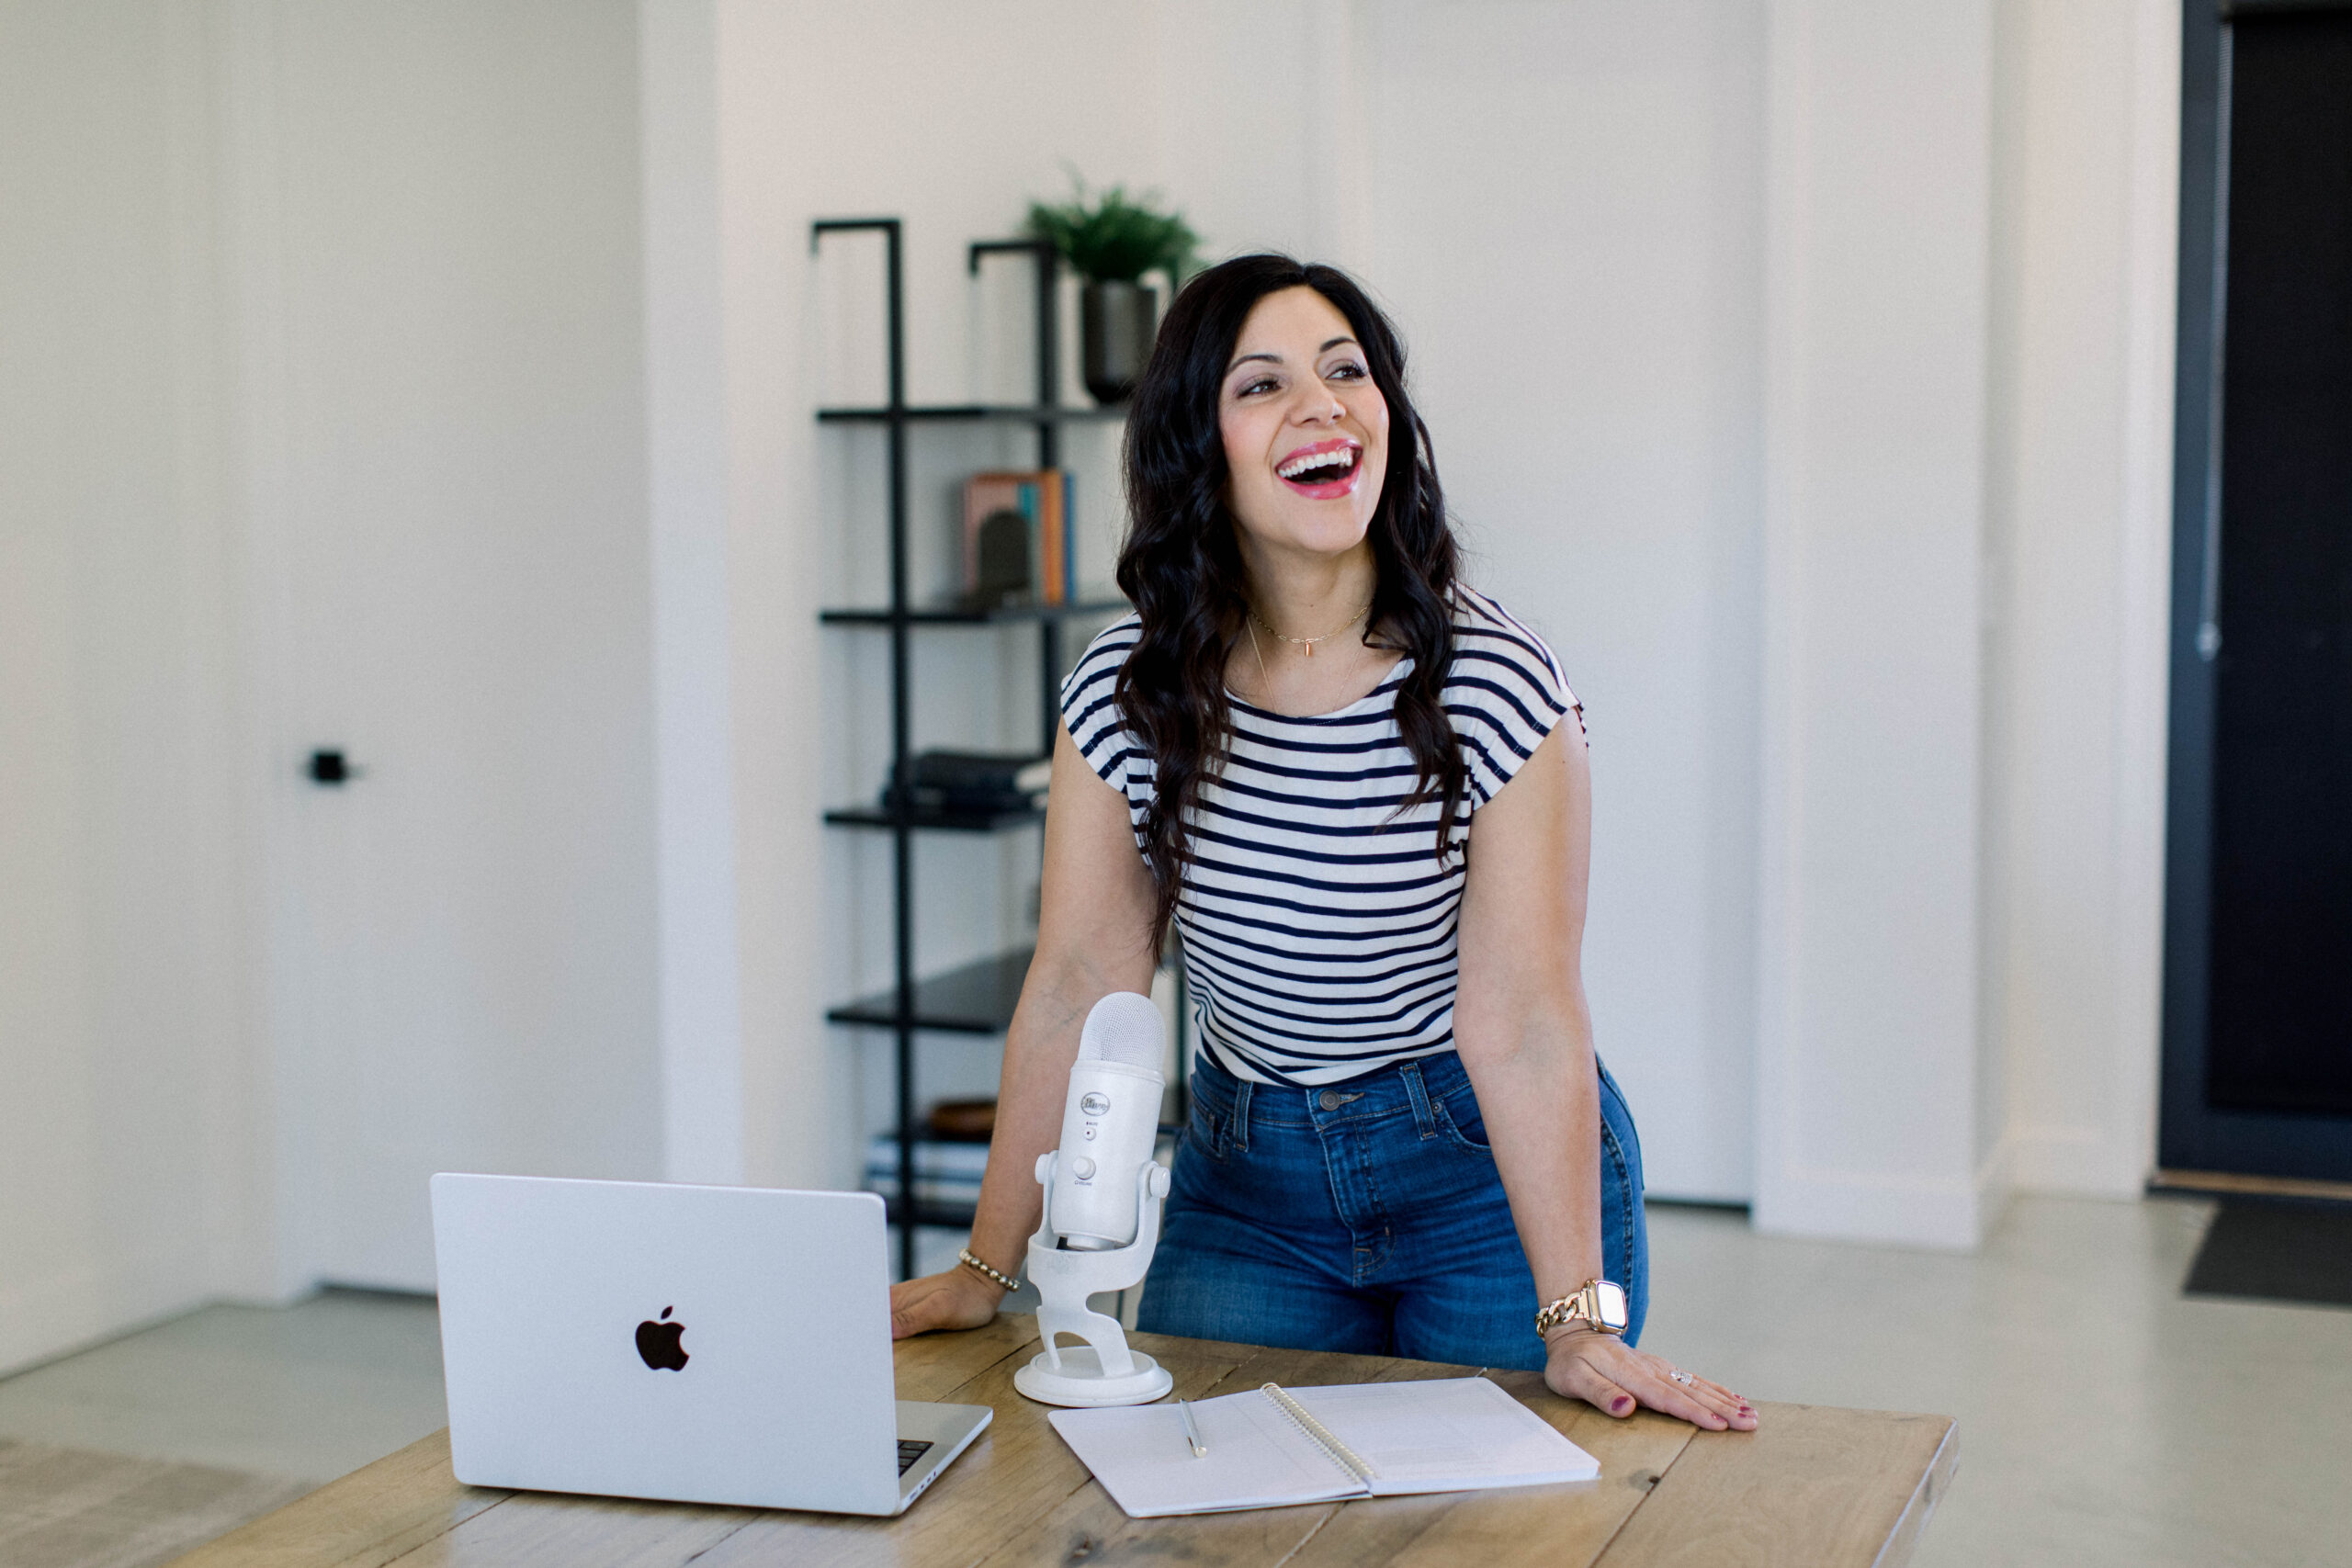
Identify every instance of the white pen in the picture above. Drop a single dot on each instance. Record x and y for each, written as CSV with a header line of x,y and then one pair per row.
x,y
1191,1433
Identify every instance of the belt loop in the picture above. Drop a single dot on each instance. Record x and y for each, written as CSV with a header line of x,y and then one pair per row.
x,y
1417,1092
1241,1115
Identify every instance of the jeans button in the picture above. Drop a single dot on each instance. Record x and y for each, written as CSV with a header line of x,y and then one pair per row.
x,y
1330,1100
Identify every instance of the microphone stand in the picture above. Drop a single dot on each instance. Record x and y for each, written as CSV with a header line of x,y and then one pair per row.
x,y
1105,1369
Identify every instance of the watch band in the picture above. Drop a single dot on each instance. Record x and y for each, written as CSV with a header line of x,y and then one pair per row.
x,y
1585,1302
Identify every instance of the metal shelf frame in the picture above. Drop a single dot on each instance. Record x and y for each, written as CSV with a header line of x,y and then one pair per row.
x,y
977,999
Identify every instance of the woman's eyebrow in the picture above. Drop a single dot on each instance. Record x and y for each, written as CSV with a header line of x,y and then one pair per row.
x,y
1271,358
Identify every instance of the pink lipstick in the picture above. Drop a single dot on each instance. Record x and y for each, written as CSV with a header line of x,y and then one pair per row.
x,y
1324,471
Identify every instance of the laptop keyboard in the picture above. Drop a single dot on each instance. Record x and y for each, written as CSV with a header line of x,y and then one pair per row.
x,y
911,1451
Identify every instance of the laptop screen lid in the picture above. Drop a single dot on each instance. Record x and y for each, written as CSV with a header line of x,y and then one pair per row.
x,y
693,1344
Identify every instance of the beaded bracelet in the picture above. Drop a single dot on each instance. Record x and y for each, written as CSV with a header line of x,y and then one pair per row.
x,y
964,1256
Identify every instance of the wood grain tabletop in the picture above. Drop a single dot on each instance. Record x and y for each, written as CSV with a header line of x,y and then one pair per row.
x,y
1815,1486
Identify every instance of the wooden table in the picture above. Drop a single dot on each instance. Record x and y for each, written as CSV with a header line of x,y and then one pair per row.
x,y
1816,1486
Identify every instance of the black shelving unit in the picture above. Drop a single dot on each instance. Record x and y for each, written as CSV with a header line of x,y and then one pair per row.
x,y
977,999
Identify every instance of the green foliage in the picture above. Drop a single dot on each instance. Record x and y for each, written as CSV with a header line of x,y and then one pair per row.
x,y
1115,240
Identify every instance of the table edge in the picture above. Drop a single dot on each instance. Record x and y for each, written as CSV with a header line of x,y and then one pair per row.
x,y
1920,1507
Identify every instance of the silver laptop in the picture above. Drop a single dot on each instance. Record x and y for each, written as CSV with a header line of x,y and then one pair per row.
x,y
693,1343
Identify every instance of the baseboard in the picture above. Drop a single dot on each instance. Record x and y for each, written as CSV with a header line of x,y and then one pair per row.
x,y
70,1310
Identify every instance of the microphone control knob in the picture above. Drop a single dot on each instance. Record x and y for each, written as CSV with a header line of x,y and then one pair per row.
x,y
1082,1168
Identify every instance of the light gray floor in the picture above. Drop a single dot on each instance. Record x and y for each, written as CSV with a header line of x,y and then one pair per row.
x,y
2104,1419
308,1392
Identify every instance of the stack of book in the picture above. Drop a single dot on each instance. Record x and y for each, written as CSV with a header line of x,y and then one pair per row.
x,y
978,782
1020,539
946,1175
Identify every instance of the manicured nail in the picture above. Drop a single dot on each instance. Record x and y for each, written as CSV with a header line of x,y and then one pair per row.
x,y
1619,1406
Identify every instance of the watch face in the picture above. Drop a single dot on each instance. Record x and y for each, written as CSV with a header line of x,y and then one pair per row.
x,y
1608,1301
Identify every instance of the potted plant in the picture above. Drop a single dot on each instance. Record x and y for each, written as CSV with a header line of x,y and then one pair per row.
x,y
1112,242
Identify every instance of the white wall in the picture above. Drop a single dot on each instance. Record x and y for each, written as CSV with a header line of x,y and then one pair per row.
x,y
698,888
124,1180
1869,1059
2080,513
1566,213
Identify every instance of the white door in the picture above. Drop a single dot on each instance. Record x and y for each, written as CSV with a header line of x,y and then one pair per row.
x,y
442,265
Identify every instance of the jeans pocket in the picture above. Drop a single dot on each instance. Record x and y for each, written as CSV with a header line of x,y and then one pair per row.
x,y
1467,1131
1206,1129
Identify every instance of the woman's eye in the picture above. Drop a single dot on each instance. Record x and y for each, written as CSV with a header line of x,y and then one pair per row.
x,y
1251,388
1347,370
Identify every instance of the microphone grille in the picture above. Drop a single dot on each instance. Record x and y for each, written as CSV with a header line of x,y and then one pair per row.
x,y
1124,1028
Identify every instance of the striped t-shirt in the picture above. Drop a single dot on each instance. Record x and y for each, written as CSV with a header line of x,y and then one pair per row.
x,y
1318,921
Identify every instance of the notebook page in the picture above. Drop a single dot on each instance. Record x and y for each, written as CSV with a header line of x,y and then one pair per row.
x,y
1257,1459
1445,1434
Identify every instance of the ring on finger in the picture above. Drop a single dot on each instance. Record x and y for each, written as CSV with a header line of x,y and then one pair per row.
x,y
1681,1376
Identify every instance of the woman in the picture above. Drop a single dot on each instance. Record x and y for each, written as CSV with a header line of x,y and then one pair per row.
x,y
1345,778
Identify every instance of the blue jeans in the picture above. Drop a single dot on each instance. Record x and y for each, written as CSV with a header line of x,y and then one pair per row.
x,y
1368,1217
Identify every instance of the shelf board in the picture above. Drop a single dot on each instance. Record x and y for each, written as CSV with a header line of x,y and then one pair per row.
x,y
957,615
977,998
977,413
935,821
952,1216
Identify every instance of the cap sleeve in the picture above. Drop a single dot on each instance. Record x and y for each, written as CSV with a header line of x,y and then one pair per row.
x,y
1090,712
1504,694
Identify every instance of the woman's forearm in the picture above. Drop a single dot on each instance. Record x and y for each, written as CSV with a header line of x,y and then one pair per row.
x,y
1539,1094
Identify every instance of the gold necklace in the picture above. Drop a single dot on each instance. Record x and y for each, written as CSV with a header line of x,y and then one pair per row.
x,y
1308,642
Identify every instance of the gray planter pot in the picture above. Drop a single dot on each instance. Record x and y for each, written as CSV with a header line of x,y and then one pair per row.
x,y
1116,325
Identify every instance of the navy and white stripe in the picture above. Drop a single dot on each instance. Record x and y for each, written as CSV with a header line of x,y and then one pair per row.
x,y
1318,923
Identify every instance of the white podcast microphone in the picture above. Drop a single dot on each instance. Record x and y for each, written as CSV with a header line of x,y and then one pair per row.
x,y
1101,1224
1110,1124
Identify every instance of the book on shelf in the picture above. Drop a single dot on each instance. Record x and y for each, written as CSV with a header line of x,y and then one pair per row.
x,y
945,1173
978,781
1020,539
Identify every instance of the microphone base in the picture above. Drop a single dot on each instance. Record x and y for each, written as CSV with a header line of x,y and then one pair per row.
x,y
1080,1385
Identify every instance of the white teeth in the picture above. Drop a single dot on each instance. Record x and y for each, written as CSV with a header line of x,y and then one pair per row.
x,y
1341,459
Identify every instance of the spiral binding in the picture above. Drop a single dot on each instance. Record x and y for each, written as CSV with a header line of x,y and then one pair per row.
x,y
1319,1434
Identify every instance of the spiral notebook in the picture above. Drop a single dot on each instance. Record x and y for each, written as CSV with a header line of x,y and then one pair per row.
x,y
1274,1446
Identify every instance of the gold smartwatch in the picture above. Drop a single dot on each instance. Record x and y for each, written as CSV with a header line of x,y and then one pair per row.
x,y
1599,1304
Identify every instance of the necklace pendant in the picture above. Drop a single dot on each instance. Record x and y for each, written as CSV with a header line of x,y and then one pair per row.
x,y
1310,647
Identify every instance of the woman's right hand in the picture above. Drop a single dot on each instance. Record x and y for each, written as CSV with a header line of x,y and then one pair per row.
x,y
956,1298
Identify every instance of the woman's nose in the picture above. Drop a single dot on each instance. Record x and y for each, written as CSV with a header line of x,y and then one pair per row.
x,y
1318,405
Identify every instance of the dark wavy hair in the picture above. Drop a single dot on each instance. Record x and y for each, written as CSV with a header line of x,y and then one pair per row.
x,y
1180,566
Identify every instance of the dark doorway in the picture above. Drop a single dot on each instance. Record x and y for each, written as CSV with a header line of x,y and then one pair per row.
x,y
2258,971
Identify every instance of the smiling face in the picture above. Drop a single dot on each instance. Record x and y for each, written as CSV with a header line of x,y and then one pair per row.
x,y
1304,427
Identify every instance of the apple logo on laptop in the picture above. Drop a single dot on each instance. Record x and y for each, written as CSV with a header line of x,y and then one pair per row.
x,y
657,1341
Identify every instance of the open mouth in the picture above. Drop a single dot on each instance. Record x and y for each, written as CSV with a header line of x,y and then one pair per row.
x,y
1327,469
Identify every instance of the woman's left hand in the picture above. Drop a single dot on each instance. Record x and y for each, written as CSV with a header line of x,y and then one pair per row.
x,y
1613,1377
